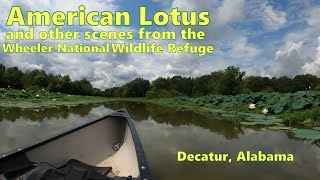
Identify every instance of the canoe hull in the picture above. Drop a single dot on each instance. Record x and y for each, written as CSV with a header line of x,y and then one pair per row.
x,y
110,141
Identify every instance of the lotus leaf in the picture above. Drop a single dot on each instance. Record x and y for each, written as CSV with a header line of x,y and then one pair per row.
x,y
278,110
309,134
283,102
281,128
248,123
317,102
264,121
299,104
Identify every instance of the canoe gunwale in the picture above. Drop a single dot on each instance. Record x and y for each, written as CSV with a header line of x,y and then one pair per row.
x,y
144,171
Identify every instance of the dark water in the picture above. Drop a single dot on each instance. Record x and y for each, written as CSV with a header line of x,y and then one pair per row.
x,y
164,132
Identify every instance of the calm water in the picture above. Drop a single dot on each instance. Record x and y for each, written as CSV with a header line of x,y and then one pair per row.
x,y
164,132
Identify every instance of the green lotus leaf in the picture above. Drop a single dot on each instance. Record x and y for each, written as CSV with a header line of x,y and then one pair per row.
x,y
299,104
308,134
317,102
300,93
281,128
283,102
264,121
278,110
248,123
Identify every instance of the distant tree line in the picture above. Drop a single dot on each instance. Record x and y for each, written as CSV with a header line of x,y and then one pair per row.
x,y
38,79
230,81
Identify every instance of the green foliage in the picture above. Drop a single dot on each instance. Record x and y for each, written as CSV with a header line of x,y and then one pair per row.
x,y
14,77
230,81
247,91
136,88
305,82
162,93
283,84
309,117
268,89
41,98
309,134
257,84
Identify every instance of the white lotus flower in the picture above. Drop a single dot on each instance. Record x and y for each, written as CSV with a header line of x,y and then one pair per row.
x,y
252,106
23,90
43,90
265,111
38,95
54,99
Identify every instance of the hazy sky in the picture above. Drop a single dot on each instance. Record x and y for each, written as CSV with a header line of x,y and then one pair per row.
x,y
268,38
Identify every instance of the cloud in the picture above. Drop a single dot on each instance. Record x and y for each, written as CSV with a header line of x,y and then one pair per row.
x,y
108,75
314,66
288,61
230,11
193,5
313,16
273,19
182,66
240,48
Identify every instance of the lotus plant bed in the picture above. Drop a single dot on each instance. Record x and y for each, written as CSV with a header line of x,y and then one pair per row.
x,y
13,98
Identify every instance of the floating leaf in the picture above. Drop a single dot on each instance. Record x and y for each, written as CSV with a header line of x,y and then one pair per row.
x,y
309,134
283,102
248,123
278,110
317,102
281,128
299,104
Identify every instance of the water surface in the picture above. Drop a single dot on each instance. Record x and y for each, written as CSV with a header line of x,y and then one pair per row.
x,y
164,132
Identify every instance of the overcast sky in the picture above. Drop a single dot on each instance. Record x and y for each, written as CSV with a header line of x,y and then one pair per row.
x,y
267,38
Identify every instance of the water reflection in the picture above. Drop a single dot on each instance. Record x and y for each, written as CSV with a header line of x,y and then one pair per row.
x,y
40,114
164,141
140,112
165,131
21,127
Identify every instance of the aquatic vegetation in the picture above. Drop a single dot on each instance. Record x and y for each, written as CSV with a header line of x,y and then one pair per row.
x,y
252,106
300,108
309,134
281,128
42,98
265,111
308,117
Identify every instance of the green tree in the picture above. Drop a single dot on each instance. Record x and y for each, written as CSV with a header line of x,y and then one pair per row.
x,y
283,84
3,82
231,81
201,86
215,83
161,83
35,79
136,88
14,77
305,82
181,84
82,87
256,83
